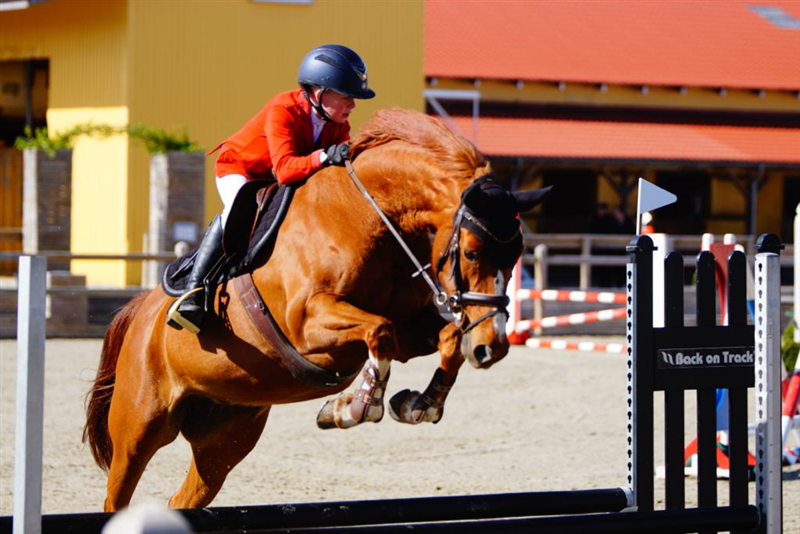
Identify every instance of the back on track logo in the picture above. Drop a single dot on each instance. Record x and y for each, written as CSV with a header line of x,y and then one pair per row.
x,y
693,358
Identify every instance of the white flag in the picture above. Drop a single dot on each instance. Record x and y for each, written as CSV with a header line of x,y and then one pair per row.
x,y
652,197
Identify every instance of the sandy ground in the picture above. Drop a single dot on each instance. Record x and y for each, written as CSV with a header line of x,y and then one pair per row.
x,y
538,421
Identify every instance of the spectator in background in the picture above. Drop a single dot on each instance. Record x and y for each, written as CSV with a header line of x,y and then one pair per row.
x,y
606,221
622,223
602,221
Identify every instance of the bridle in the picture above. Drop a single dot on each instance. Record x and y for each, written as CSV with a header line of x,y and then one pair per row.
x,y
456,301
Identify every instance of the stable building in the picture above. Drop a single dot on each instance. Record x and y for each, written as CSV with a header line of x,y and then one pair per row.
x,y
701,98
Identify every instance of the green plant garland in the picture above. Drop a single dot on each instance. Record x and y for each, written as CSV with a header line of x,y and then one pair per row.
x,y
156,140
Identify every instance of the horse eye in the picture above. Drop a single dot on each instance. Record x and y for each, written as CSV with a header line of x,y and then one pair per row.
x,y
471,255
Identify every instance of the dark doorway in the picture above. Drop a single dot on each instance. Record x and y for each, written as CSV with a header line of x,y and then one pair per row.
x,y
23,102
791,198
689,214
570,206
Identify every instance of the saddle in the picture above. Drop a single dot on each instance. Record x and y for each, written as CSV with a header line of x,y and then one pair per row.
x,y
249,238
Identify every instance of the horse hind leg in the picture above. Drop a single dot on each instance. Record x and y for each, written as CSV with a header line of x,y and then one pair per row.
x,y
221,436
137,431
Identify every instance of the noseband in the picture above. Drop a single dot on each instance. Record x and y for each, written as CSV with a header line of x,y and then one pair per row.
x,y
452,250
455,302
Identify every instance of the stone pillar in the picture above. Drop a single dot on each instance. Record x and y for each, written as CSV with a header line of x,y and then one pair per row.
x,y
67,314
177,204
47,203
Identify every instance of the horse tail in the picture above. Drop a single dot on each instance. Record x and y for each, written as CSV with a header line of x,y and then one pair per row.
x,y
98,399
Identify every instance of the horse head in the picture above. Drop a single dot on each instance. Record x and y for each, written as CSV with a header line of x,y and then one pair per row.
x,y
483,246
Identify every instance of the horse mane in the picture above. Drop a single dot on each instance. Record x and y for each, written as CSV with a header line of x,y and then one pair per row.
x,y
451,151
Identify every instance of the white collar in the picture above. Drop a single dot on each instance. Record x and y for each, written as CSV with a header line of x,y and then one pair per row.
x,y
317,123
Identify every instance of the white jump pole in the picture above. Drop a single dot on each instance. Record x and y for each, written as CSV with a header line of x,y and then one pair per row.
x,y
768,390
31,295
512,290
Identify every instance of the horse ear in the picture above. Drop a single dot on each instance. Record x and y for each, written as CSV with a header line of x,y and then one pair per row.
x,y
527,200
473,198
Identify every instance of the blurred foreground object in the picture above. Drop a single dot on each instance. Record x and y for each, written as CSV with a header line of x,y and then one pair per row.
x,y
147,518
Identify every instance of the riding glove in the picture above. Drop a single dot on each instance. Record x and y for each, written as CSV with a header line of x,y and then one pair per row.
x,y
336,155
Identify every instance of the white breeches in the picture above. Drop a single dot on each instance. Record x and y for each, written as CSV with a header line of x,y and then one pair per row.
x,y
228,186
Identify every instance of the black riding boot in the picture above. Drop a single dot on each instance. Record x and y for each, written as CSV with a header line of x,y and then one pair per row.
x,y
189,310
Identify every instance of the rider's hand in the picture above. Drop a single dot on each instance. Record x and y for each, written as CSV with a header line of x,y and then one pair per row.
x,y
336,155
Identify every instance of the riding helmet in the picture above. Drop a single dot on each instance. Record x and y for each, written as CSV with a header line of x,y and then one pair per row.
x,y
335,67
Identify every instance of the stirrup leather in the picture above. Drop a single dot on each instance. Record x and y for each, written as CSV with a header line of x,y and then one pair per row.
x,y
175,315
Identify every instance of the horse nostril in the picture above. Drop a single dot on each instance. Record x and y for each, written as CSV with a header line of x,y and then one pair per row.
x,y
483,353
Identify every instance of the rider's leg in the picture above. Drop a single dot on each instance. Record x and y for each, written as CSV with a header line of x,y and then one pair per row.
x,y
228,187
189,311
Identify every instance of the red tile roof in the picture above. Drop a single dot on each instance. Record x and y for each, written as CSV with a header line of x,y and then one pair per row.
x,y
565,139
707,43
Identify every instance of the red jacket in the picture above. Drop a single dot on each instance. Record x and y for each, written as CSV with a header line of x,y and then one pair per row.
x,y
278,142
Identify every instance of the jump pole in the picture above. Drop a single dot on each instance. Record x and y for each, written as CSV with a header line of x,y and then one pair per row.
x,y
571,295
31,305
599,316
768,383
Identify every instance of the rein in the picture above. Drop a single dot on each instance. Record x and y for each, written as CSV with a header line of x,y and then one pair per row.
x,y
455,302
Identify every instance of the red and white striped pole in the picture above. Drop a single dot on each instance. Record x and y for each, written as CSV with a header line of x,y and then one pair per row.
x,y
568,295
789,408
580,346
571,319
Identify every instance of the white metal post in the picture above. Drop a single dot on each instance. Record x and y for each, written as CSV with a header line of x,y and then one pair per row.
x,y
662,245
540,282
514,306
31,295
432,96
768,390
706,241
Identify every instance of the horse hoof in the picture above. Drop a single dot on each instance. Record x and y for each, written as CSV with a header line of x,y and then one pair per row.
x,y
325,419
335,413
401,407
396,404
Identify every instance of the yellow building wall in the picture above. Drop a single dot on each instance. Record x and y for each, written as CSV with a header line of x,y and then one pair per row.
x,y
208,66
213,65
769,217
99,204
84,42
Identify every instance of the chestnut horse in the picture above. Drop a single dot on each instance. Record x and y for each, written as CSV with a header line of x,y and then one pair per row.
x,y
343,292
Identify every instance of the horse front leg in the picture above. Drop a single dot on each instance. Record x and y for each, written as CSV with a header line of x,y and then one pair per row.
x,y
413,407
331,323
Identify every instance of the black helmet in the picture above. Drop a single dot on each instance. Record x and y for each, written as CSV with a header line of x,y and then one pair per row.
x,y
335,67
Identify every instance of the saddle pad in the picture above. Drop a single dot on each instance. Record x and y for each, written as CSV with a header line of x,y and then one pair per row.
x,y
258,250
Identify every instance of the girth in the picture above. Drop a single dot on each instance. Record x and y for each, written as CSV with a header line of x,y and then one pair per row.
x,y
300,368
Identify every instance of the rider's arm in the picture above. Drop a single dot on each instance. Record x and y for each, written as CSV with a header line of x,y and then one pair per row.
x,y
288,165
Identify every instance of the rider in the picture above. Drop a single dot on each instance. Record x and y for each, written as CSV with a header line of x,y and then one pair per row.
x,y
296,134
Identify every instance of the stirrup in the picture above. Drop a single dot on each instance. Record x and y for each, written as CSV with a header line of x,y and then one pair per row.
x,y
174,315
